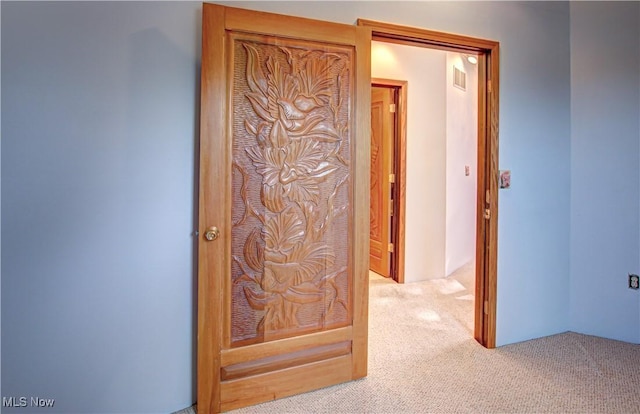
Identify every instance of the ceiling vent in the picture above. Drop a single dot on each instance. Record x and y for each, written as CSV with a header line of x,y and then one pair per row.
x,y
459,79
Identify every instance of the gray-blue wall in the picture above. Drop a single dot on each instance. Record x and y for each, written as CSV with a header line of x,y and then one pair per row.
x,y
605,159
99,111
99,137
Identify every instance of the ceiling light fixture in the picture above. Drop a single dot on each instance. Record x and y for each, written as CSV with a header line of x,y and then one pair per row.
x,y
472,59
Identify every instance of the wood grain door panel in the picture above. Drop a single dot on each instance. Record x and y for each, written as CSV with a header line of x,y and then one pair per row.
x,y
291,187
282,294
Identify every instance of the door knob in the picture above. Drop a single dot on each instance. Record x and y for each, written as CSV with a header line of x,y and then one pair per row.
x,y
212,233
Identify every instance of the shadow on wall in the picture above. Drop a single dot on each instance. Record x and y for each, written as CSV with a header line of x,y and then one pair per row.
x,y
151,47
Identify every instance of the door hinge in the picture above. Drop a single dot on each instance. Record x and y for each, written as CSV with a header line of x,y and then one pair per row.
x,y
392,178
391,207
392,108
390,248
489,86
487,214
487,200
486,307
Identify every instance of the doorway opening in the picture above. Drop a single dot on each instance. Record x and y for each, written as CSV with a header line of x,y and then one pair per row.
x,y
486,53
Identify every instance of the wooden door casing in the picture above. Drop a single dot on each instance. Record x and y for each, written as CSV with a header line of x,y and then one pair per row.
x,y
284,165
488,53
382,139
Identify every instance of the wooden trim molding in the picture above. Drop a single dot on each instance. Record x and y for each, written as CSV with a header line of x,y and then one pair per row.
x,y
210,288
488,122
491,184
362,159
415,35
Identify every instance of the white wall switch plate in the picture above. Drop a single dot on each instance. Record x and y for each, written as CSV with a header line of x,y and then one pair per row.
x,y
505,178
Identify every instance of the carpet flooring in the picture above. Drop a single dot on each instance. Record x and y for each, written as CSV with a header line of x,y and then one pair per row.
x,y
423,359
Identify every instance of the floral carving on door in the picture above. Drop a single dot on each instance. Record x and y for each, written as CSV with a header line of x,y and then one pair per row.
x,y
291,186
375,184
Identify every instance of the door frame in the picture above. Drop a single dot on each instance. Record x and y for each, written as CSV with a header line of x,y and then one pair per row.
x,y
400,170
488,172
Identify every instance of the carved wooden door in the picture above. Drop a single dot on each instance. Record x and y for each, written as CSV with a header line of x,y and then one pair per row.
x,y
382,124
283,219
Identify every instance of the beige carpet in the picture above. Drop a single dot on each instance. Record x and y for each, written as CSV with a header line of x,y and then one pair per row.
x,y
423,359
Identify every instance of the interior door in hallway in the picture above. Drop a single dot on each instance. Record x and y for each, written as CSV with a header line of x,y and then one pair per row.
x,y
283,210
381,203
